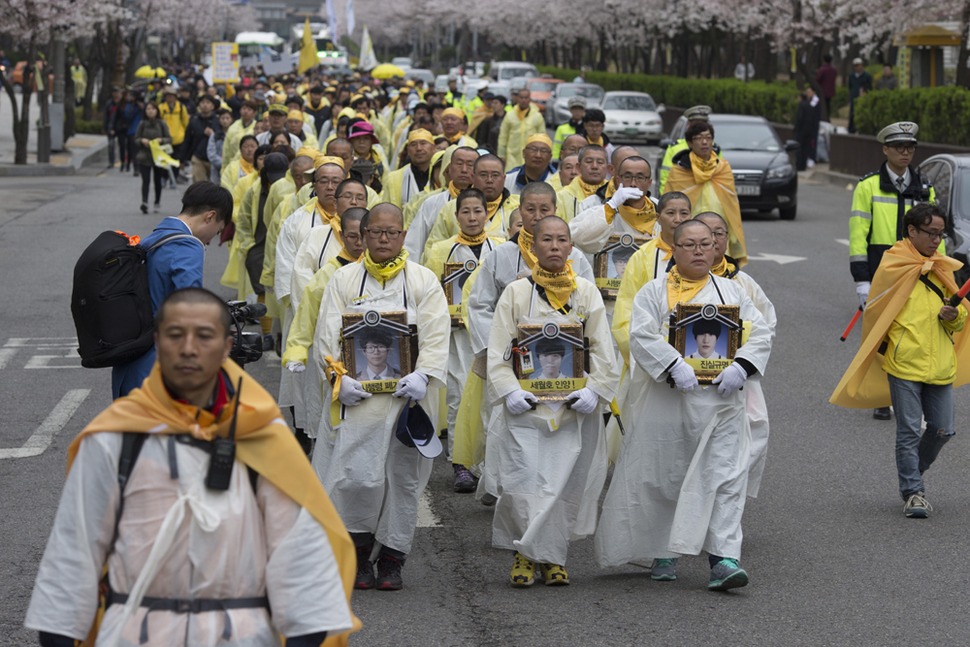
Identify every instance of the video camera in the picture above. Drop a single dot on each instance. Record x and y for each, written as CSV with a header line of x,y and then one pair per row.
x,y
246,346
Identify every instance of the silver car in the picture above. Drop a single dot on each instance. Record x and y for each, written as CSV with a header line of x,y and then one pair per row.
x,y
557,110
632,116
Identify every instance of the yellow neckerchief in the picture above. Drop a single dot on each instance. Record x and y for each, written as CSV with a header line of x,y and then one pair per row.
x,y
665,248
703,170
724,268
247,167
453,190
347,256
598,142
522,114
610,188
492,207
471,241
525,248
264,442
559,286
642,219
682,290
588,189
454,140
386,270
864,383
328,218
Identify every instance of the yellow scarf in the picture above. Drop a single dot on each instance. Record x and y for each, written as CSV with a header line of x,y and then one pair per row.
x,y
471,241
587,189
347,256
724,268
264,442
864,383
559,286
522,114
246,167
386,270
492,207
665,248
682,290
598,142
642,219
703,169
454,140
525,248
331,219
453,190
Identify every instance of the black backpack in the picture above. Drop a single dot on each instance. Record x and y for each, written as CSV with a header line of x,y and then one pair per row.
x,y
110,302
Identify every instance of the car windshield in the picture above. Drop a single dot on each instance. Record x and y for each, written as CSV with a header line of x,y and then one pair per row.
x,y
629,102
589,91
961,196
746,137
507,73
542,86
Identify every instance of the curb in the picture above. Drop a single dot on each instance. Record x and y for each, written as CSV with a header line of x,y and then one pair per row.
x,y
80,159
842,180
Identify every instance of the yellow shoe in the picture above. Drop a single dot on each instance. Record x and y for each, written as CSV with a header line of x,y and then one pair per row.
x,y
523,571
554,574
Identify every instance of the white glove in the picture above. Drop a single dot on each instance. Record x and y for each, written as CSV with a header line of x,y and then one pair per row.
x,y
519,401
684,377
586,400
862,290
351,391
413,385
624,193
730,379
295,367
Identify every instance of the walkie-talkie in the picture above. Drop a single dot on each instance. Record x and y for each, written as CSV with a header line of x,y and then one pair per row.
x,y
224,452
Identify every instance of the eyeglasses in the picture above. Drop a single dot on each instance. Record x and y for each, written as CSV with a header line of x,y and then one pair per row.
x,y
630,177
485,175
690,247
375,234
356,198
703,138
904,148
537,150
375,348
719,233
934,235
351,237
328,181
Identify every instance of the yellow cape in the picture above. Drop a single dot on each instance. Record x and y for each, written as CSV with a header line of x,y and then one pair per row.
x,y
864,384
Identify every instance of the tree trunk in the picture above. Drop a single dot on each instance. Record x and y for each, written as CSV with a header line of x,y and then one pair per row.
x,y
963,75
21,124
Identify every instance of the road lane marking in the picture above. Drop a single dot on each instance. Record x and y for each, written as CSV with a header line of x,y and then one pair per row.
x,y
842,241
776,258
426,517
43,436
6,354
44,361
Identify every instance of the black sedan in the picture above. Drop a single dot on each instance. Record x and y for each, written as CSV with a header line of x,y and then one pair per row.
x,y
764,175
950,177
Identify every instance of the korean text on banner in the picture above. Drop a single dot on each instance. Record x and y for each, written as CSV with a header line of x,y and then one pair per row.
x,y
225,63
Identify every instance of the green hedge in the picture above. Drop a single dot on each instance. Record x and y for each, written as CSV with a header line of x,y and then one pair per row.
x,y
93,127
943,114
776,102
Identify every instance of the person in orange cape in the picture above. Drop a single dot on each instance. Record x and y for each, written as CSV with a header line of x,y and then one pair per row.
x,y
914,350
195,555
709,183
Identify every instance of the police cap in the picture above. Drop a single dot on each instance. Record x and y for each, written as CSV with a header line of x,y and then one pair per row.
x,y
899,132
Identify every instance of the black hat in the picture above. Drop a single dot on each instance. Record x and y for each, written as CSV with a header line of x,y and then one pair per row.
x,y
414,429
276,165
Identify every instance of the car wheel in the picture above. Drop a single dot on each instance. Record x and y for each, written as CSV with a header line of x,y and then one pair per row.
x,y
788,213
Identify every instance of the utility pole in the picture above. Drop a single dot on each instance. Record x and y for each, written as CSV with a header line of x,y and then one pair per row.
x,y
59,65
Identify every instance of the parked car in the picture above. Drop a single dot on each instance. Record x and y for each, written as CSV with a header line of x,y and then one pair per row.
x,y
501,74
403,62
632,116
416,73
557,110
541,90
950,177
764,174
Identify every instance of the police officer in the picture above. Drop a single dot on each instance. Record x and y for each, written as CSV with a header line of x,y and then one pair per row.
x,y
692,114
878,205
577,111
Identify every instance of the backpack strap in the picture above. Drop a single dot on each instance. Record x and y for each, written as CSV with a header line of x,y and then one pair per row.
x,y
932,286
164,239
131,444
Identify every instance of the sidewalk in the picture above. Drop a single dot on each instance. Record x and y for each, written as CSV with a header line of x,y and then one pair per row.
x,y
79,151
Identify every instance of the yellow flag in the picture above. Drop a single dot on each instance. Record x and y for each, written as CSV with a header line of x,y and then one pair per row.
x,y
308,49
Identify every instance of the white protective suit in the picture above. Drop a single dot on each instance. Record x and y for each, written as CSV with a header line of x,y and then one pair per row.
x,y
233,544
446,224
424,220
680,481
591,231
551,461
372,478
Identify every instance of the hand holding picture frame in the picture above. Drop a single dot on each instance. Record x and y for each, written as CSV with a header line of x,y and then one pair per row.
x,y
707,336
377,348
550,360
452,281
610,262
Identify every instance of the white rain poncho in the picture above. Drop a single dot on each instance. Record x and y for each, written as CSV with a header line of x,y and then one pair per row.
x,y
680,481
373,479
551,462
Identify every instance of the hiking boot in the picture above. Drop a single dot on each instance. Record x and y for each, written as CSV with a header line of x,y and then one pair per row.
x,y
523,571
664,570
365,569
917,507
389,572
882,413
554,574
465,481
727,574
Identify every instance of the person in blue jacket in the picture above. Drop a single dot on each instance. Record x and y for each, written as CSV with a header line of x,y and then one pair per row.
x,y
176,263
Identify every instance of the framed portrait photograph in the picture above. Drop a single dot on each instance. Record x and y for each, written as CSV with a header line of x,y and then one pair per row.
x,y
610,262
707,336
377,349
550,360
452,281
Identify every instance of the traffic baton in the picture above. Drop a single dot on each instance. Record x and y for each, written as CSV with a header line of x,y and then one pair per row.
x,y
855,319
958,297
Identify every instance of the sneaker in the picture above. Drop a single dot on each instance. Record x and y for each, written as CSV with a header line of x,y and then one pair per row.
x,y
917,507
144,208
727,574
365,569
523,571
882,413
664,570
465,481
157,208
268,342
554,574
488,500
389,572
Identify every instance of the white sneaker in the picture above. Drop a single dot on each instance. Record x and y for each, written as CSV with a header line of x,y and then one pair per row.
x,y
917,507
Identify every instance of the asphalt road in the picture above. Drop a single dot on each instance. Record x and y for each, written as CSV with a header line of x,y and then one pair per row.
x,y
832,560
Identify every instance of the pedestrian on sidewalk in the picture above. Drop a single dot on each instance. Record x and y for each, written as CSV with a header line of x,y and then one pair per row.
x,y
825,77
152,127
